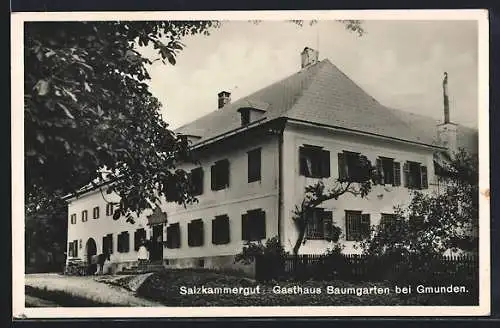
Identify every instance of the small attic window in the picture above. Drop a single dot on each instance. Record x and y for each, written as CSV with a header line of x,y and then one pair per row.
x,y
245,117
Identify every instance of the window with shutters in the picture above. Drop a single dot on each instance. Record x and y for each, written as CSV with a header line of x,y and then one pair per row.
x,y
220,175
389,171
254,165
314,162
357,225
85,216
196,179
139,236
415,175
195,233
253,225
123,242
95,212
174,236
73,218
109,209
350,168
319,224
107,243
220,230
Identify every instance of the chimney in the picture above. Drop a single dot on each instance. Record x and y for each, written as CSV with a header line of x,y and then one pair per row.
x,y
445,99
308,57
447,131
224,98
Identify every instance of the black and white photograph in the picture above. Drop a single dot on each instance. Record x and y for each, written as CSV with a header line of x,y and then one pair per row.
x,y
250,164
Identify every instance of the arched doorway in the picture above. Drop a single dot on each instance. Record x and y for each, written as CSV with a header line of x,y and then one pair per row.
x,y
90,250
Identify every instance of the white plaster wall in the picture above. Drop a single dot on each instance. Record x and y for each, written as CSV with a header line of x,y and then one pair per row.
x,y
240,197
381,199
98,228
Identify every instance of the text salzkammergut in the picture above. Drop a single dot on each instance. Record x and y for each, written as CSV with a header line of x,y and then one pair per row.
x,y
332,290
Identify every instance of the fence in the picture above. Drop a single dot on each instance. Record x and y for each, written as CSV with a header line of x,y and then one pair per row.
x,y
351,267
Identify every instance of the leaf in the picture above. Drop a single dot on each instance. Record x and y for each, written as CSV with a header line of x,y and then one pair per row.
x,y
66,111
69,93
87,86
40,137
42,87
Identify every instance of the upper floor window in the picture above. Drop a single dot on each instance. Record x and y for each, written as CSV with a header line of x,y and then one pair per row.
x,y
220,175
351,168
195,233
123,242
220,230
319,224
196,177
85,215
109,209
415,175
357,225
174,236
254,165
95,212
73,218
314,162
389,171
253,225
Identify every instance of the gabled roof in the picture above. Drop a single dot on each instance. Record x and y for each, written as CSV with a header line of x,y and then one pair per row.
x,y
323,94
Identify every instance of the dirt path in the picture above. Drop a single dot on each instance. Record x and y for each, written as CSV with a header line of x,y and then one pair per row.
x,y
87,287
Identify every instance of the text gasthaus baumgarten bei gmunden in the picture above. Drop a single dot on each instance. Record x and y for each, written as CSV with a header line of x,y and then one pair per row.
x,y
329,289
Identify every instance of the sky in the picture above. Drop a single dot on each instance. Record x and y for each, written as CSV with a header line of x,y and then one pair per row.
x,y
399,63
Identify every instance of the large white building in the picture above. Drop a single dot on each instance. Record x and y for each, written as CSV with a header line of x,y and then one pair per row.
x,y
257,154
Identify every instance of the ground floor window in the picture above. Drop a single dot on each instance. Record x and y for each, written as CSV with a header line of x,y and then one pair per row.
x,y
253,225
220,230
173,236
319,224
123,242
357,225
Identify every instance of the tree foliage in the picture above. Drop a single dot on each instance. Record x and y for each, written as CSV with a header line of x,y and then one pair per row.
x,y
318,193
89,115
438,221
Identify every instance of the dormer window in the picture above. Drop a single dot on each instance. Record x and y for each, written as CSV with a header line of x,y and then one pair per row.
x,y
245,116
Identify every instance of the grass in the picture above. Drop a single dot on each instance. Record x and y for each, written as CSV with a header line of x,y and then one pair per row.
x,y
63,298
165,287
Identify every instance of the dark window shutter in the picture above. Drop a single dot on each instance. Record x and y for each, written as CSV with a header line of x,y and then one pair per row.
x,y
406,174
303,162
380,171
126,242
397,174
225,169
70,249
365,226
423,174
190,234
261,224
245,233
328,225
213,177
177,234
342,166
325,163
